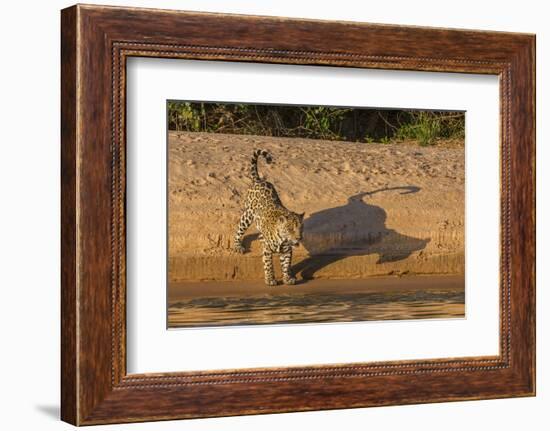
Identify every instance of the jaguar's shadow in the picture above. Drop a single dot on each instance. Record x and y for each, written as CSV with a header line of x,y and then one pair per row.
x,y
248,239
354,229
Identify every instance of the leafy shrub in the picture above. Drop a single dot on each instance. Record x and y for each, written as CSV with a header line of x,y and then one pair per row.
x,y
426,127
316,122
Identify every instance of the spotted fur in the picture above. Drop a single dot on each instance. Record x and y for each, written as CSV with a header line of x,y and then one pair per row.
x,y
280,229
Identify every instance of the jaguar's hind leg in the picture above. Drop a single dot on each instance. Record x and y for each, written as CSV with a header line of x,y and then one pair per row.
x,y
244,224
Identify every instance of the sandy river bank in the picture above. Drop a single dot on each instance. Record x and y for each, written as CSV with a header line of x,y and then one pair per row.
x,y
371,209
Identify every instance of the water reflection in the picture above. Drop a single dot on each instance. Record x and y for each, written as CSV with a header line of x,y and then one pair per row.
x,y
316,308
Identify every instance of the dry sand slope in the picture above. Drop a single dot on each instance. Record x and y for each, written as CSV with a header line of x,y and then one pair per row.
x,y
371,209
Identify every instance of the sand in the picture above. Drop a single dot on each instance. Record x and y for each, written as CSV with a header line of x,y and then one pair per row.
x,y
189,290
371,209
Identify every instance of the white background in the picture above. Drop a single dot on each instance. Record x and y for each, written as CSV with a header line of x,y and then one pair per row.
x,y
151,348
29,220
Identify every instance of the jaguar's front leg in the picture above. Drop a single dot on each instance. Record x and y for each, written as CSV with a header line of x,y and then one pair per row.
x,y
268,267
286,260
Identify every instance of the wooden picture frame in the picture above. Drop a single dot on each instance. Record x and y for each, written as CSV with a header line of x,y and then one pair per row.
x,y
95,43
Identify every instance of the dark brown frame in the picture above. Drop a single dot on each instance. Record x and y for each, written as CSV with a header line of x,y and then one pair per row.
x,y
95,43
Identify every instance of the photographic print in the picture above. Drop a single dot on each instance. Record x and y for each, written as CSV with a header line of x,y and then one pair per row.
x,y
287,214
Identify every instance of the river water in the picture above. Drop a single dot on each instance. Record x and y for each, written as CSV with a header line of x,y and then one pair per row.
x,y
427,300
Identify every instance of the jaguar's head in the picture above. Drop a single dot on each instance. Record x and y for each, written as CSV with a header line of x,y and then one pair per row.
x,y
291,227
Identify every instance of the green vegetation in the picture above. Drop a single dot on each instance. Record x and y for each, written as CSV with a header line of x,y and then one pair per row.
x,y
426,127
317,122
